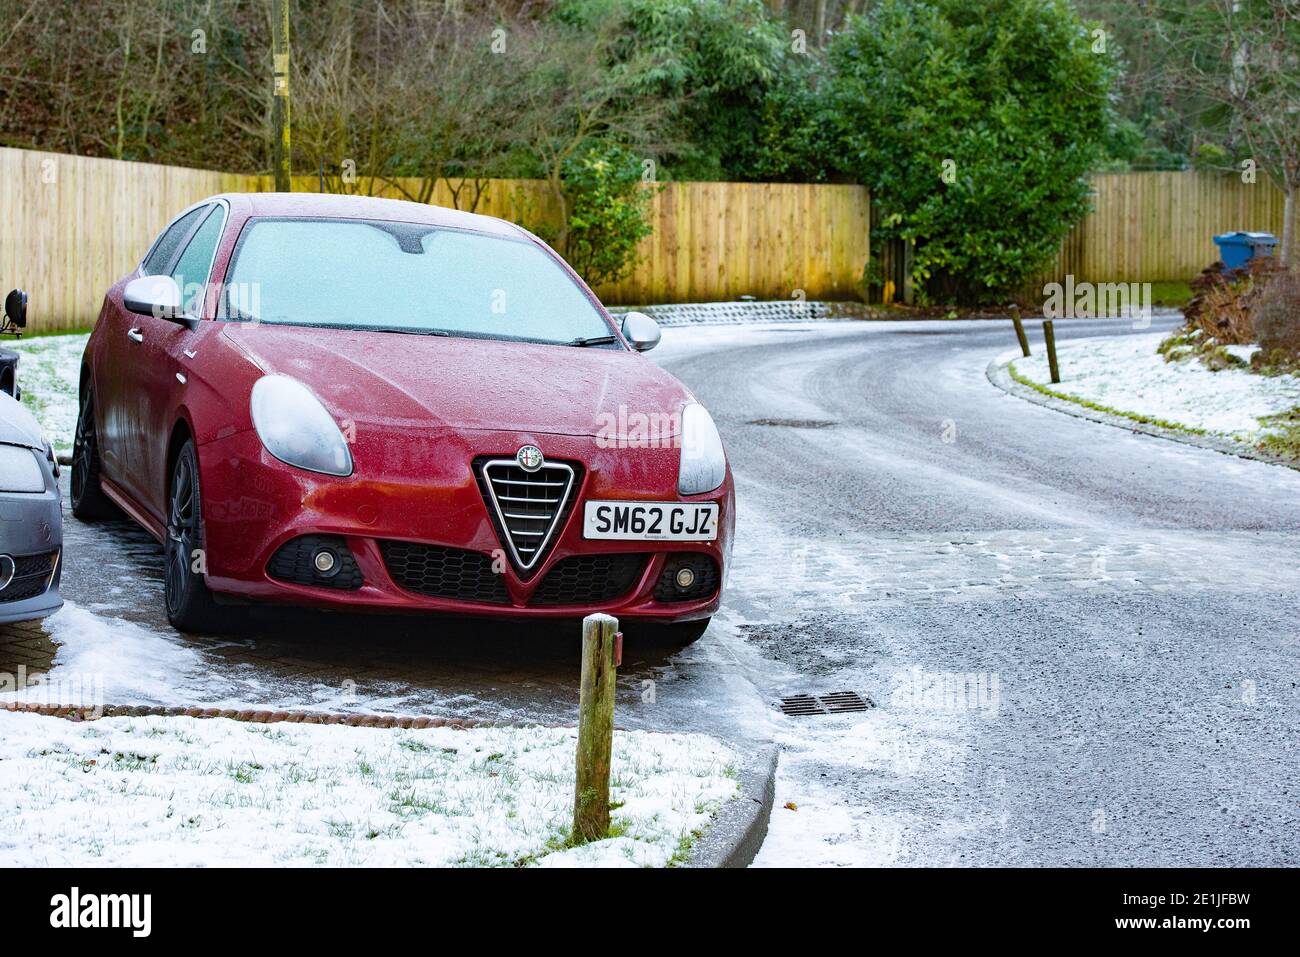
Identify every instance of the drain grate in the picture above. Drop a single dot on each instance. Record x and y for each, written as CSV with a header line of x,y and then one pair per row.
x,y
842,701
801,704
839,702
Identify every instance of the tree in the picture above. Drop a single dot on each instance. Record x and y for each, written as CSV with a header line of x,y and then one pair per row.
x,y
1245,55
711,63
975,125
573,92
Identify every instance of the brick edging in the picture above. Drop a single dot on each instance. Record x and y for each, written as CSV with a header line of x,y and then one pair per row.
x,y
250,715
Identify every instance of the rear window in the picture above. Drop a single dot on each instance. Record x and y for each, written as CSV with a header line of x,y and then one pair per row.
x,y
405,277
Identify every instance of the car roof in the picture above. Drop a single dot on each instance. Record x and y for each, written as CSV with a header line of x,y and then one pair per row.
x,y
337,206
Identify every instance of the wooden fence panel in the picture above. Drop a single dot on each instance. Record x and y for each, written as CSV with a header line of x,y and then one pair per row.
x,y
71,226
1147,227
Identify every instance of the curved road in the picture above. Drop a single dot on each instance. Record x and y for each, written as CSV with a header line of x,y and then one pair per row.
x,y
1081,644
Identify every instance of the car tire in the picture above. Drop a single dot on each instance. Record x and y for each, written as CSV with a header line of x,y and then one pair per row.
x,y
190,605
679,634
87,498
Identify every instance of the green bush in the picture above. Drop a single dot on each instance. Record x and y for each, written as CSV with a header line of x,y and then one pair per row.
x,y
1005,96
608,207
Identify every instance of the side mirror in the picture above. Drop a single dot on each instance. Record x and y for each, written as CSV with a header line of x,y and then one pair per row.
x,y
640,330
16,308
157,296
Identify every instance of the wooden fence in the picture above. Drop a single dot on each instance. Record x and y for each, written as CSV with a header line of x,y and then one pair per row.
x,y
1161,226
70,226
74,225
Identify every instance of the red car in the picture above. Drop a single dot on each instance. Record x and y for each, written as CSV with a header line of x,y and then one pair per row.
x,y
356,403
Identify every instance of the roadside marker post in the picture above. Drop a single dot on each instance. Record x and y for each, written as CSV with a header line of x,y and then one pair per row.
x,y
602,645
1050,337
1020,329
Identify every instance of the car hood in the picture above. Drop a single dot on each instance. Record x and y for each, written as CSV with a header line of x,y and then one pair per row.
x,y
17,425
464,383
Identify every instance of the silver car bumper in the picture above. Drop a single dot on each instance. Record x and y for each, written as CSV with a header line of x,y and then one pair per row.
x,y
31,535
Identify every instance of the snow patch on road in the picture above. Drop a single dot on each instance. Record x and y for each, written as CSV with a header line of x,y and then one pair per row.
x,y
147,792
49,369
1126,374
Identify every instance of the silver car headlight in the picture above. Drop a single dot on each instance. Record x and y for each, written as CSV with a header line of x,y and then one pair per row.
x,y
296,428
703,465
20,470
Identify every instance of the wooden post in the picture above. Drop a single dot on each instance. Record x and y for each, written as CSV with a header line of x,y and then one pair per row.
x,y
595,727
1020,329
280,95
1050,337
909,260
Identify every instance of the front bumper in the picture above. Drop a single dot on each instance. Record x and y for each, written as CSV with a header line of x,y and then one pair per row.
x,y
253,504
31,532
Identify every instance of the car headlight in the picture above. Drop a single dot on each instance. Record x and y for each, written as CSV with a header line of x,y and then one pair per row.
x,y
704,465
20,471
296,429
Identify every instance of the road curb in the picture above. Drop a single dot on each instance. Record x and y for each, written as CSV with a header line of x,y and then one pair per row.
x,y
737,833
999,374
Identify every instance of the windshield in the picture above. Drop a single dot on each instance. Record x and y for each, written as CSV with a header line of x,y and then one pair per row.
x,y
406,277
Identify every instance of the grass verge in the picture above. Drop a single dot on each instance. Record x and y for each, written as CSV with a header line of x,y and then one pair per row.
x,y
1098,407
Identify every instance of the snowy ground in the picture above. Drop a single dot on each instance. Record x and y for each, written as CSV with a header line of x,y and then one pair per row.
x,y
47,374
185,791
1125,374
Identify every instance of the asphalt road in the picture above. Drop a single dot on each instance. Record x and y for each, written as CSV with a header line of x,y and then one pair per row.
x,y
1080,644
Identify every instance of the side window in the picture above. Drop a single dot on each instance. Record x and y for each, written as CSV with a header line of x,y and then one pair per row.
x,y
195,265
170,241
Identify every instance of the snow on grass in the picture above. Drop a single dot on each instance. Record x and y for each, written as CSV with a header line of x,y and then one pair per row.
x,y
48,369
190,792
1125,374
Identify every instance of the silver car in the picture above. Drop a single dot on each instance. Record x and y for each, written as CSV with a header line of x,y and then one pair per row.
x,y
31,518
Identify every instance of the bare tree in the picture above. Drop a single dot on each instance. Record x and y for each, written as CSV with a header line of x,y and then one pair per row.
x,y
1245,55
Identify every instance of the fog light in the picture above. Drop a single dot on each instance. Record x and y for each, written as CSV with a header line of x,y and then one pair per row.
x,y
326,562
685,578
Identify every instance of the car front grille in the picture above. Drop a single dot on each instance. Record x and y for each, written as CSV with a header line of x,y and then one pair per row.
x,y
527,508
589,579
444,572
31,577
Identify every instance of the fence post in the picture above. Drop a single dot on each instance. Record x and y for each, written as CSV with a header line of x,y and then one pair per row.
x,y
1050,337
1020,329
600,660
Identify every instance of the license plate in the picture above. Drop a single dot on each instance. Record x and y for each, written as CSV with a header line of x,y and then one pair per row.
x,y
651,521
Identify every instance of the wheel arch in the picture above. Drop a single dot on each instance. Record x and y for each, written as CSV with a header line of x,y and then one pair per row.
x,y
182,431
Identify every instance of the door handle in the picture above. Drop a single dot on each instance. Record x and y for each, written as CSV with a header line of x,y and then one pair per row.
x,y
135,335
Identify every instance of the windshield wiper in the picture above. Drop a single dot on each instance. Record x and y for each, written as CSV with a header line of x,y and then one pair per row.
x,y
593,340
